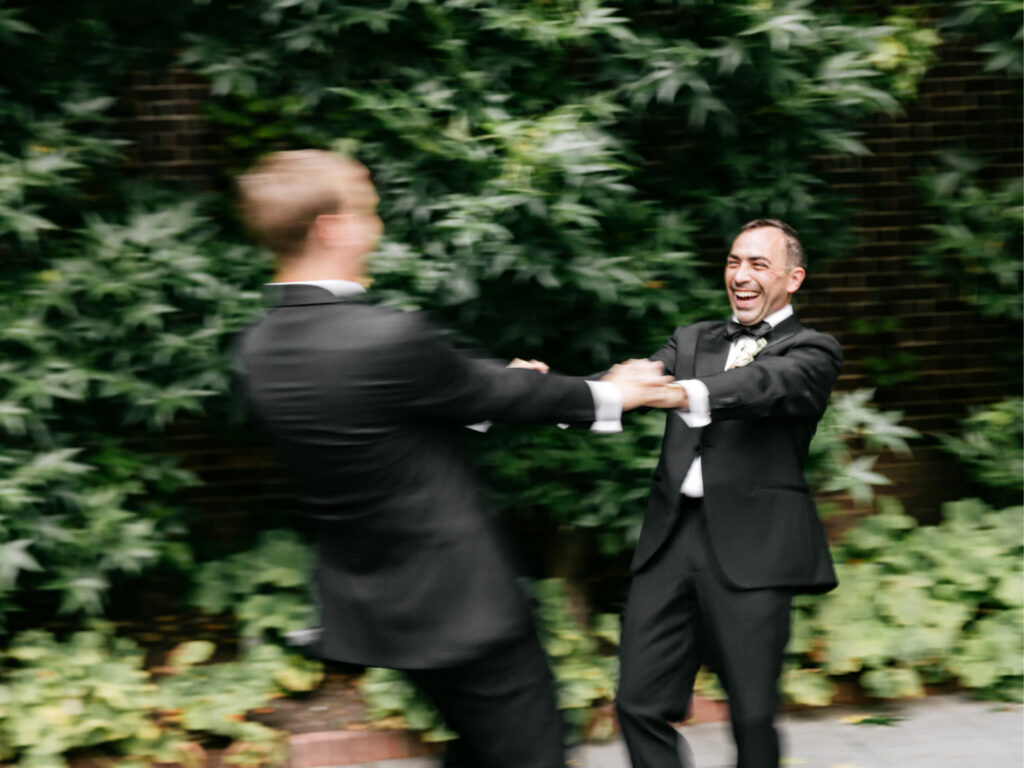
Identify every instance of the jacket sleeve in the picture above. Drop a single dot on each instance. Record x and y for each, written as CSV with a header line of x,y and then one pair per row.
x,y
667,355
431,380
793,383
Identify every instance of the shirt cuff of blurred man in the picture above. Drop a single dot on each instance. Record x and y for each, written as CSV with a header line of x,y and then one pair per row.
x,y
607,406
607,409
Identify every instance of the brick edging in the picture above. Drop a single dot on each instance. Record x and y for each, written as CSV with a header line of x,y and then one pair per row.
x,y
339,748
335,748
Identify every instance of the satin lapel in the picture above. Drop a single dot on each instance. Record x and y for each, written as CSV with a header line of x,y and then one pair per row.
x,y
712,351
787,329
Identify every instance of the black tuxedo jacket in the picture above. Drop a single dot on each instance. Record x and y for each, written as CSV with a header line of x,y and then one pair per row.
x,y
762,522
365,408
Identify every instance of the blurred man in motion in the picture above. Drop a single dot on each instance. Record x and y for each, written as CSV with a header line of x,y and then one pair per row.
x,y
731,531
365,408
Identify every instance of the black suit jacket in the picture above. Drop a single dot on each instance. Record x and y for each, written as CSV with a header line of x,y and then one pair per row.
x,y
762,522
366,409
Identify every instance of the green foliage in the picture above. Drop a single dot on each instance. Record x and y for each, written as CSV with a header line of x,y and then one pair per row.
x,y
507,141
121,333
991,444
584,676
889,365
844,449
917,605
213,698
977,236
996,29
907,51
92,691
86,692
267,588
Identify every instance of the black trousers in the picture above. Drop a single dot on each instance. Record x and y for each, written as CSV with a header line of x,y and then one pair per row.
x,y
502,706
681,614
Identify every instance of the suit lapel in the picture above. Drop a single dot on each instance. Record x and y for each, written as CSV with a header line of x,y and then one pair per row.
x,y
712,351
787,329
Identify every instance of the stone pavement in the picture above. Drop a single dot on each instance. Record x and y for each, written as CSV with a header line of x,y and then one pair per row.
x,y
937,732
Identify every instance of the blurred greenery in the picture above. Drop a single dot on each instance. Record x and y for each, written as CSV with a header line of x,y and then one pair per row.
x,y
994,27
977,235
268,588
991,444
556,179
847,444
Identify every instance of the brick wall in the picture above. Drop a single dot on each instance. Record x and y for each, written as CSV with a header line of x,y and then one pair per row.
x,y
948,352
161,114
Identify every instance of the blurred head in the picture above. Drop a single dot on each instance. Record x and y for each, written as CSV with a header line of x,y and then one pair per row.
x,y
316,210
765,267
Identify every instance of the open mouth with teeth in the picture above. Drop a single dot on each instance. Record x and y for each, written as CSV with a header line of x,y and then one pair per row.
x,y
745,298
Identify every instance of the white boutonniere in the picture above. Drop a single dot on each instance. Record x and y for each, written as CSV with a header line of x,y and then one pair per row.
x,y
746,350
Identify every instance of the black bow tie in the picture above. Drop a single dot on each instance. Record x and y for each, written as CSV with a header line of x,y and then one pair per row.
x,y
734,330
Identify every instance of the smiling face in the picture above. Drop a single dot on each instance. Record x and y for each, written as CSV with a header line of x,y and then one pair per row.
x,y
758,275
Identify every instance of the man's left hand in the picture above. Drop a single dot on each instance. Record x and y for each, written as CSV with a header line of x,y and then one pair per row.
x,y
532,365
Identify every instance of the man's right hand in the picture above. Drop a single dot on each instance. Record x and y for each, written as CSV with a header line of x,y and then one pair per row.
x,y
641,382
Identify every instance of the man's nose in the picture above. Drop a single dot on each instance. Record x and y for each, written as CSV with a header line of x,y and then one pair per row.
x,y
742,274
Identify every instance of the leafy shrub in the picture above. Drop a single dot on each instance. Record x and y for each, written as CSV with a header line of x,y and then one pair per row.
x,y
533,147
121,333
845,448
977,235
584,676
92,691
991,444
995,29
917,605
267,588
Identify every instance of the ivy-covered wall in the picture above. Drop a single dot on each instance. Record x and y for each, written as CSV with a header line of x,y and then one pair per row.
x,y
918,334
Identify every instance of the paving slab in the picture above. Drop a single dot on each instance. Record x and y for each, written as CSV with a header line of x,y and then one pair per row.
x,y
936,732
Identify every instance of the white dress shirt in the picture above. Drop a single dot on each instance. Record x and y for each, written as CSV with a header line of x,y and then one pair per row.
x,y
699,412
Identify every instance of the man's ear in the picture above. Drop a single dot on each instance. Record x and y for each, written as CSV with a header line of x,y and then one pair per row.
x,y
796,279
331,228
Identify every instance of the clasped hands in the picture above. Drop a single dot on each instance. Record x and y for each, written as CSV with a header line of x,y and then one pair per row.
x,y
641,382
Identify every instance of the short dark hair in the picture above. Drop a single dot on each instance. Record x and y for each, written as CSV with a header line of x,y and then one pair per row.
x,y
794,249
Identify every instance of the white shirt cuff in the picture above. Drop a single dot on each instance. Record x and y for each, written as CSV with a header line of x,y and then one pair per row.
x,y
481,426
699,413
607,406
